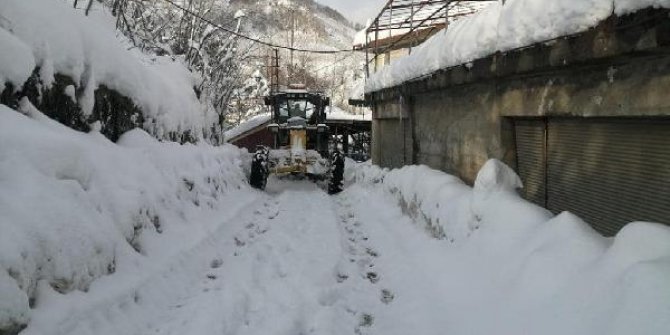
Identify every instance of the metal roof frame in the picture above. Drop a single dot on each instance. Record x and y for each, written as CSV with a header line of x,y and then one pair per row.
x,y
418,14
421,17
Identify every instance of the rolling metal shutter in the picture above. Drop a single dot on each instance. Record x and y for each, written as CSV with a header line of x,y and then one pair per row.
x,y
609,171
530,148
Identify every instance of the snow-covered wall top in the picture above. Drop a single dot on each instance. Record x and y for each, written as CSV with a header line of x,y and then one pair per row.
x,y
58,39
498,27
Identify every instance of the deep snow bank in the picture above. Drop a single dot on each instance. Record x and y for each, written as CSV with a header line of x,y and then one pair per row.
x,y
75,206
514,268
57,39
498,27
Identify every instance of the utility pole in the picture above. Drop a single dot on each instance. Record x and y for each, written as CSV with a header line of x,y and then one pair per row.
x,y
290,73
275,78
411,28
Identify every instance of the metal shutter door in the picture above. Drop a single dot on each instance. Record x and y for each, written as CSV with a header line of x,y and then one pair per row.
x,y
391,143
530,152
610,172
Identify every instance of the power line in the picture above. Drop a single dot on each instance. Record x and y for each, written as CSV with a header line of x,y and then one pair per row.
x,y
255,40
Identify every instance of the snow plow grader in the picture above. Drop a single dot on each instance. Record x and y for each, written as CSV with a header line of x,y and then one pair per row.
x,y
302,142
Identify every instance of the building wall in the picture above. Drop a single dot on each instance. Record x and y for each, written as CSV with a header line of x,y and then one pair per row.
x,y
462,116
259,136
388,58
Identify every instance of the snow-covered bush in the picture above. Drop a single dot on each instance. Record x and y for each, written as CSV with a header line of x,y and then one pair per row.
x,y
52,38
75,206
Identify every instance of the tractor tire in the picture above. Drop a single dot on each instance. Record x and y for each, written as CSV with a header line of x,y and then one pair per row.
x,y
259,169
336,180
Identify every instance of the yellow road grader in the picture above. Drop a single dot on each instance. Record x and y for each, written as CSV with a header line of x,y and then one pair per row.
x,y
302,142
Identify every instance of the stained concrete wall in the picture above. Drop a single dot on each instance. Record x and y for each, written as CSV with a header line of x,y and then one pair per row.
x,y
460,117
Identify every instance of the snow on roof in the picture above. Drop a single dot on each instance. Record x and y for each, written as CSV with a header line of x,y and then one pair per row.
x,y
294,90
336,114
499,27
401,16
332,114
89,49
248,125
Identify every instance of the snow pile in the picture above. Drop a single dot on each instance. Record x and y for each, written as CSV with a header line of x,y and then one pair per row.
x,y
75,206
513,268
60,40
499,27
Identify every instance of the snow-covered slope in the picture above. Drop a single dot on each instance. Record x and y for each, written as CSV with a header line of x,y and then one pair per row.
x,y
57,39
75,206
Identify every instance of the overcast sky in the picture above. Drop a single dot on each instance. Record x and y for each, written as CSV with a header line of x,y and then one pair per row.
x,y
356,10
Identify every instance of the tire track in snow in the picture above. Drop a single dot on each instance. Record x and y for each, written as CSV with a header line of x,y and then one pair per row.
x,y
274,274
296,261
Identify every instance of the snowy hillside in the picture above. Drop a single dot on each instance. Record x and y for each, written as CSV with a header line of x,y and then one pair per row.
x,y
315,27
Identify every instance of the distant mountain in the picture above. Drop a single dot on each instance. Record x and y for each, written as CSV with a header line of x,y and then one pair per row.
x,y
315,24
312,26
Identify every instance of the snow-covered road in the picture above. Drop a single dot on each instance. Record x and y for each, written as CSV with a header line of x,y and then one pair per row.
x,y
293,260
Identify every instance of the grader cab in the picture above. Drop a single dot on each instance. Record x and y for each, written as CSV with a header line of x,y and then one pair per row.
x,y
302,142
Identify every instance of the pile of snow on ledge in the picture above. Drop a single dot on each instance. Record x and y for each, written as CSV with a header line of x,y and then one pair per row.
x,y
76,206
60,40
512,267
498,27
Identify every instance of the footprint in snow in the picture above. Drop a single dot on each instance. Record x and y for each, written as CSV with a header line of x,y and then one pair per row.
x,y
387,296
367,320
216,263
341,277
373,277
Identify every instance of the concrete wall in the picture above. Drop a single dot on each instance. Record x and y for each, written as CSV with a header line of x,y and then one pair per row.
x,y
459,116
